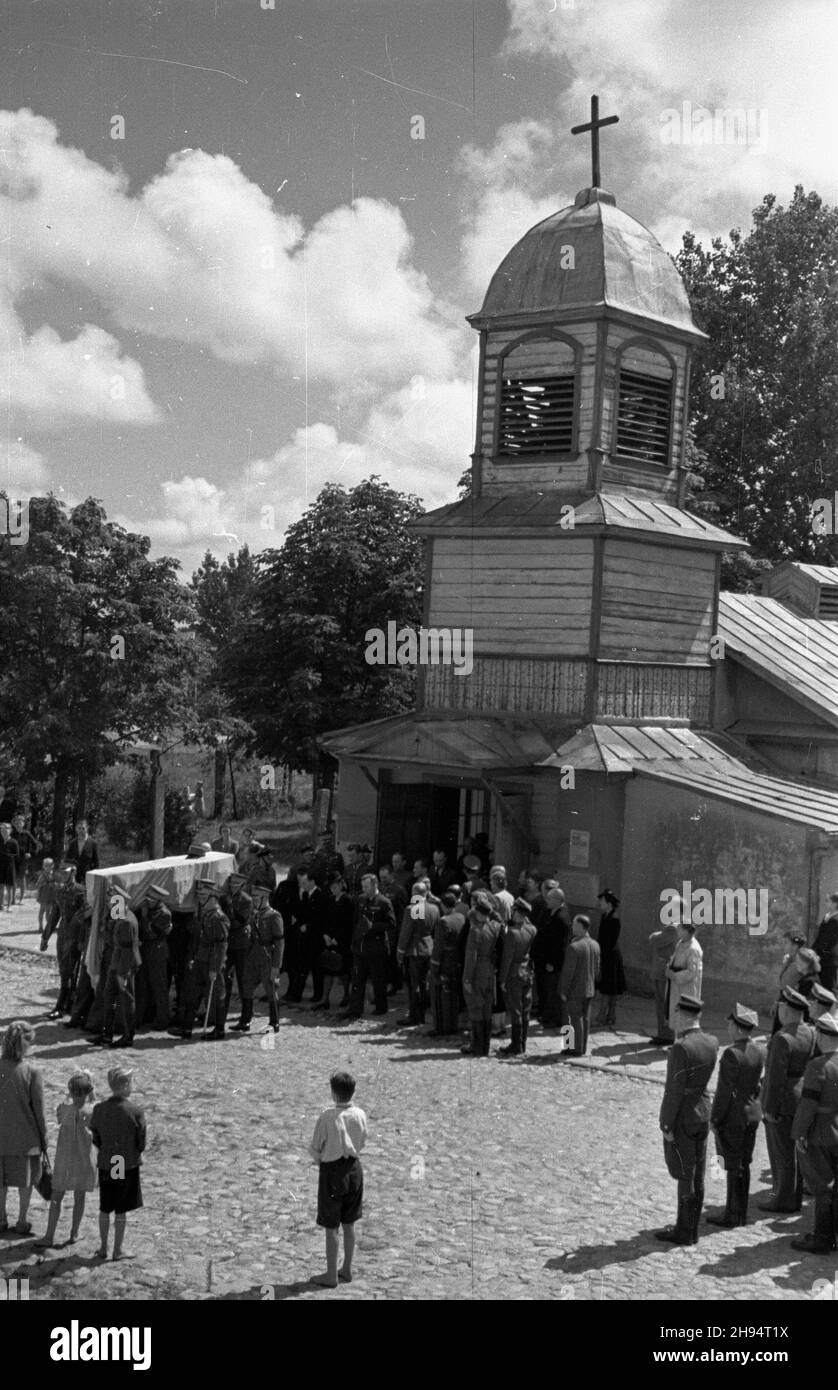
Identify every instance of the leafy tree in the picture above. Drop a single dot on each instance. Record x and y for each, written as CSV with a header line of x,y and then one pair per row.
x,y
764,389
298,667
92,632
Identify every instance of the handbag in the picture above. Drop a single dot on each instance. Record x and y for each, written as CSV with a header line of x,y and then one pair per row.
x,y
44,1183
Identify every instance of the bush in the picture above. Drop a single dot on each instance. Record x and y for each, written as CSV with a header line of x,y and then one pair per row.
x,y
119,798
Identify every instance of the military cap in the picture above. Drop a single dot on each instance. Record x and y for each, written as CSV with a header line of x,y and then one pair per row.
x,y
159,894
472,863
480,903
792,998
196,851
744,1018
236,877
521,905
122,892
827,1023
690,1004
208,883
823,995
259,889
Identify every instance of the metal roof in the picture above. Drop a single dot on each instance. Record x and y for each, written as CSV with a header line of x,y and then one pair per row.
x,y
472,743
771,796
622,747
824,574
545,511
616,263
796,655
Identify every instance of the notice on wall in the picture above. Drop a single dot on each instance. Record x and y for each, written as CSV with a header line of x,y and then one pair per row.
x,y
579,856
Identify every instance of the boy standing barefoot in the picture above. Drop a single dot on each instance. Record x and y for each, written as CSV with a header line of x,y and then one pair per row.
x,y
118,1129
339,1136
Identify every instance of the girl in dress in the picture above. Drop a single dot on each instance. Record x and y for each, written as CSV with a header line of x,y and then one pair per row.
x,y
75,1161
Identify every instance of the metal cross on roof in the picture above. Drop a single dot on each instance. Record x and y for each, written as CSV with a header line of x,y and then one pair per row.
x,y
594,125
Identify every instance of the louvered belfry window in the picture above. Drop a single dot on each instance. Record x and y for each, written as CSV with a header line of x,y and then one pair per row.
x,y
538,399
644,417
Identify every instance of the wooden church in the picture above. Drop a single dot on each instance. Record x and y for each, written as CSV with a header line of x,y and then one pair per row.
x,y
606,735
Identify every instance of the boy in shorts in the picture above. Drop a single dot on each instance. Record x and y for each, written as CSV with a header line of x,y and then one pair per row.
x,y
118,1129
339,1136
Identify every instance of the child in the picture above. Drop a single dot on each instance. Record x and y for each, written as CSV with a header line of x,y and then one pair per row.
x,y
118,1129
75,1162
46,886
339,1136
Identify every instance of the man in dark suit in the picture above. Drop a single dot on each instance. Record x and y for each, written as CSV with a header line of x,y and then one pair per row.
x,y
577,985
737,1112
548,955
442,874
788,1053
685,1117
82,851
374,924
314,916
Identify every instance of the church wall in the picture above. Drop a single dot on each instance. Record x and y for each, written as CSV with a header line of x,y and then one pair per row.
x,y
356,804
674,835
594,806
522,597
657,603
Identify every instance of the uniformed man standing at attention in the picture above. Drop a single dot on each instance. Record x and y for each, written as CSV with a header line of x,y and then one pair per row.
x,y
237,903
516,974
737,1112
263,963
685,1117
789,1050
479,972
118,998
815,1132
208,954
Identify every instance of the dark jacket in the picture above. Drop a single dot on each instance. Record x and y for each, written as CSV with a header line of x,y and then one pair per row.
x,y
551,943
788,1053
816,1117
118,1129
125,958
686,1100
210,932
736,1104
267,935
446,955
84,858
373,919
238,907
825,945
516,965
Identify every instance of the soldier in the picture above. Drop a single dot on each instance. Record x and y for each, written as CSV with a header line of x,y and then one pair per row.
x,y
815,1132
821,1001
238,905
96,1015
516,974
264,959
685,1117
68,946
119,982
84,993
789,1051
353,871
374,922
207,955
64,905
737,1112
155,922
416,940
479,971
446,966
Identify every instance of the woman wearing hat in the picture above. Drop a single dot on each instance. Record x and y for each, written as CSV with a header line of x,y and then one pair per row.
x,y
612,978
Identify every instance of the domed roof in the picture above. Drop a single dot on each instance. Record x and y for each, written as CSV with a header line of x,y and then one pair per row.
x,y
617,262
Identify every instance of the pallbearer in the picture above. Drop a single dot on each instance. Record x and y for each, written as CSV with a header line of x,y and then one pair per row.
x,y
208,953
685,1117
264,958
155,921
118,1002
737,1112
238,905
815,1131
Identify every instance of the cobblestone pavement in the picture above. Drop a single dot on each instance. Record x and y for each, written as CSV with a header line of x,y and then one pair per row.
x,y
542,1179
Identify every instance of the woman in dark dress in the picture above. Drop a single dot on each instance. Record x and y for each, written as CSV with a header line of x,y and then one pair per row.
x,y
612,979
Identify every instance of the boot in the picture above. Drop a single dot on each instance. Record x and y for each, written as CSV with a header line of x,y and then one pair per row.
x,y
694,1214
729,1216
485,1037
682,1232
243,1025
525,1028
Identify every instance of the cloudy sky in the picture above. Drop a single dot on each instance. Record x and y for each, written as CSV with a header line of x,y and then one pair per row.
x,y
233,274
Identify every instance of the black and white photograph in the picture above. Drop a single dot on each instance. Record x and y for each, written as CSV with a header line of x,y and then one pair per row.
x,y
419,680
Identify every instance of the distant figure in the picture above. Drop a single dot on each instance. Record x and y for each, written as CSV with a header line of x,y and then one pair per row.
x,y
578,983
685,970
224,842
612,979
198,803
9,854
339,1136
28,847
82,851
663,943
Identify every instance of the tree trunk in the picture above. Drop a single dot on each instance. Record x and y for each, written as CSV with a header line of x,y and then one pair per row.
x,y
59,814
157,793
232,784
220,780
81,795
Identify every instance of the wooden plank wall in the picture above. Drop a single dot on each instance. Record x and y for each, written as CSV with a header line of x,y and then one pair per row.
x,y
528,597
653,692
657,603
517,685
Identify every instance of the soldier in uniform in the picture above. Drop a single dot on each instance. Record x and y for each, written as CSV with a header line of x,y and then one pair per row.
x,y
446,959
737,1112
685,1117
479,972
263,962
238,905
83,994
123,966
69,901
96,1016
789,1051
155,922
516,974
815,1132
374,924
821,1001
207,956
